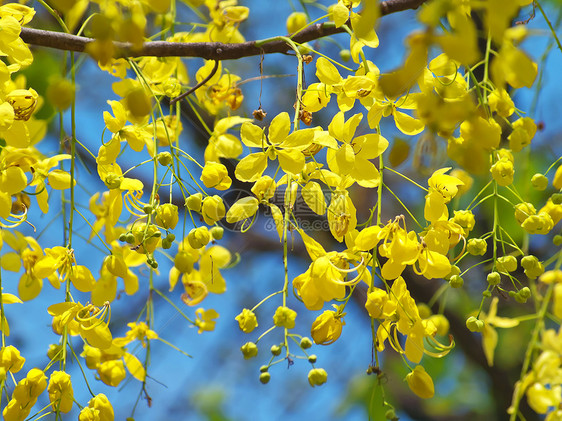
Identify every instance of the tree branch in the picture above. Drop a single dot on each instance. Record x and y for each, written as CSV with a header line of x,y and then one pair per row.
x,y
206,50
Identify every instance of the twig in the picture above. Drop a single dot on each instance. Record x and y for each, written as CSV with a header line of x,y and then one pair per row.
x,y
206,50
182,96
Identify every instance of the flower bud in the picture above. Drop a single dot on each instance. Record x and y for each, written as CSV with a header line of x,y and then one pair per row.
x,y
284,317
345,54
217,232
199,237
11,359
421,383
477,246
249,350
317,377
295,22
474,325
506,264
60,391
539,182
247,320
305,343
533,268
502,172
61,93
215,175
494,278
113,181
523,210
312,358
193,202
327,328
265,377
167,216
456,281
275,350
112,372
146,238
164,158
184,261
213,209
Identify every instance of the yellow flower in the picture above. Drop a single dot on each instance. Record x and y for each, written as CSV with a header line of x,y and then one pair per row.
x,y
278,144
327,328
354,155
137,331
247,320
205,319
442,188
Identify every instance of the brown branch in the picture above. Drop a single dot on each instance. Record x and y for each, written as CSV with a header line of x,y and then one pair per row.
x,y
182,96
206,50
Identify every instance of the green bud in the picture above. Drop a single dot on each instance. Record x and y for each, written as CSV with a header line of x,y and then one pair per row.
x,y
275,350
171,237
345,55
164,158
130,238
166,243
557,240
194,201
148,209
123,237
113,181
486,294
265,377
525,292
456,281
474,325
539,182
249,350
455,270
217,232
312,358
306,343
317,377
264,368
556,198
494,278
476,246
